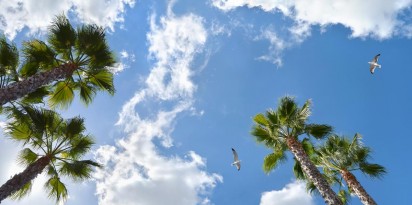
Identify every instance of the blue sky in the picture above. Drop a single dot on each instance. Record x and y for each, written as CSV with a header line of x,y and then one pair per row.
x,y
191,76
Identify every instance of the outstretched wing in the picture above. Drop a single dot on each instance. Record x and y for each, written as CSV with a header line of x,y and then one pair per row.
x,y
238,166
235,157
375,59
372,69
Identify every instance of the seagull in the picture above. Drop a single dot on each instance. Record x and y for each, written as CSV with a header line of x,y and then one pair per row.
x,y
374,63
236,159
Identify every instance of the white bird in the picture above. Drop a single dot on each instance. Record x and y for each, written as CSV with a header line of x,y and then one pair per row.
x,y
374,63
236,159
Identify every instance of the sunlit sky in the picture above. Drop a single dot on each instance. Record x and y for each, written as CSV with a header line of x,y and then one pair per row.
x,y
192,74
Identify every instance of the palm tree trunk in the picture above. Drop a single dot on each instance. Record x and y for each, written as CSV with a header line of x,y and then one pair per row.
x,y
312,172
19,180
19,89
354,185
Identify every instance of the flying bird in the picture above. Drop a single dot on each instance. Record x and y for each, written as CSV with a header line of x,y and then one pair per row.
x,y
374,63
236,159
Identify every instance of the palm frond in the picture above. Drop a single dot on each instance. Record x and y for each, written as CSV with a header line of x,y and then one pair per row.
x,y
9,60
62,37
74,127
39,53
272,160
287,111
308,147
319,131
27,157
87,92
273,118
260,119
36,97
305,110
21,193
79,146
102,79
19,131
56,189
91,42
78,170
311,188
344,196
62,94
297,170
91,38
261,134
372,170
28,68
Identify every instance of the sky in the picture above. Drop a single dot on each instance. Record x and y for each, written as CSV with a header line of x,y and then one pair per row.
x,y
192,74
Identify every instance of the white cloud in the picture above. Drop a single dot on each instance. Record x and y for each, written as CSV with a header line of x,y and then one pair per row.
x,y
135,171
277,45
15,15
369,18
292,194
104,13
126,59
174,45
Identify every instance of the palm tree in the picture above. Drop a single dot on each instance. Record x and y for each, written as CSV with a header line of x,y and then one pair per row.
x,y
279,130
333,180
71,60
341,156
9,60
54,146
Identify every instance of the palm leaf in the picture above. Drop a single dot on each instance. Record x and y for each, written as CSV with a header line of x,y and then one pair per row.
x,y
344,196
261,120
24,191
102,79
272,160
74,127
29,68
62,37
36,97
78,170
91,39
297,170
39,53
319,131
87,92
9,59
305,111
80,146
19,131
27,157
62,94
372,170
287,111
56,189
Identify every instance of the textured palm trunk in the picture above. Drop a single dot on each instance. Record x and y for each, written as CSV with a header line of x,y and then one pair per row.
x,y
19,89
19,180
356,187
312,172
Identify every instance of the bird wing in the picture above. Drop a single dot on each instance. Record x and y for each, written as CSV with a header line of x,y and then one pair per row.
x,y
375,59
236,158
238,166
372,68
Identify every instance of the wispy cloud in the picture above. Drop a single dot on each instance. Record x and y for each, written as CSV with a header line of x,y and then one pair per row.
x,y
135,171
292,194
15,15
126,59
277,45
370,18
